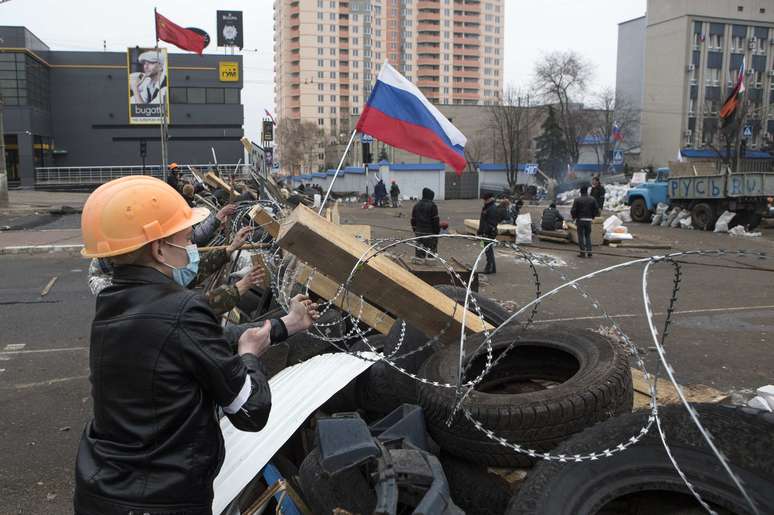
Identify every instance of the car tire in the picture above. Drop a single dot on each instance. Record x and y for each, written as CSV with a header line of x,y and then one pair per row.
x,y
639,211
610,484
349,489
475,488
552,384
703,217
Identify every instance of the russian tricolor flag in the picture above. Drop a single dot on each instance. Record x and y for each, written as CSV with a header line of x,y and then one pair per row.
x,y
398,114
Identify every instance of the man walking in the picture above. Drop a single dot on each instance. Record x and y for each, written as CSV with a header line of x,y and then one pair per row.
x,y
583,211
487,227
425,222
598,192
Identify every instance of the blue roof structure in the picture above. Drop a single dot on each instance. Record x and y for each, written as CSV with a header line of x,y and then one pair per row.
x,y
706,153
498,167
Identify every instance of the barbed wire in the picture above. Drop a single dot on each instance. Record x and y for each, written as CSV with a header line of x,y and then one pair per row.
x,y
284,282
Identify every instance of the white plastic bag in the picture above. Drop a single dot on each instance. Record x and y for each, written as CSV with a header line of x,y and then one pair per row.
x,y
524,228
723,220
739,231
686,223
680,216
660,213
616,236
670,217
611,223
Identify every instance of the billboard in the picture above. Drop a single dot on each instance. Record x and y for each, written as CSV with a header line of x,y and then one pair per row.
x,y
147,70
229,25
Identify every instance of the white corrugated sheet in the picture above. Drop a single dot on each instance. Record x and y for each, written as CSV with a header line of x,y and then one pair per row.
x,y
295,393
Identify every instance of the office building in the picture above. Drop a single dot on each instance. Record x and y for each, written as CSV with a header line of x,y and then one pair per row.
x,y
693,52
72,109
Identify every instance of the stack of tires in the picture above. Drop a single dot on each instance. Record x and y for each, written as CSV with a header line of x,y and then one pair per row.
x,y
551,384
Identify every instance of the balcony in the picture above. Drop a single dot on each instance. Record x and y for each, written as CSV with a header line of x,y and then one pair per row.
x,y
428,61
468,96
425,37
429,25
428,16
294,10
428,83
427,4
467,18
466,74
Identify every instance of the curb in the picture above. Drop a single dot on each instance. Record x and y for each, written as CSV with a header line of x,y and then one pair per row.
x,y
40,249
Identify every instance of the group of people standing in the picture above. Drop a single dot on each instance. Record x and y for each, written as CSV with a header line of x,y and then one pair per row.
x,y
380,194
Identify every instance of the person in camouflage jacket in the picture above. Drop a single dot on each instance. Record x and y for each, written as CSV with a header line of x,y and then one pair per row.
x,y
221,299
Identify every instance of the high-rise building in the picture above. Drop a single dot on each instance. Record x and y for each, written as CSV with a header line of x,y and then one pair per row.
x,y
693,52
327,54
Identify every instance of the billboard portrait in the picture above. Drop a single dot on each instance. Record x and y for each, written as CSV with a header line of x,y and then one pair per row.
x,y
147,70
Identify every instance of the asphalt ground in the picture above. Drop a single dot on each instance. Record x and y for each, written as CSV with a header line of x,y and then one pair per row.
x,y
721,334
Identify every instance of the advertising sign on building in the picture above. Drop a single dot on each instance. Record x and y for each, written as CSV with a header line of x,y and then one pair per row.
x,y
230,28
228,71
268,131
147,69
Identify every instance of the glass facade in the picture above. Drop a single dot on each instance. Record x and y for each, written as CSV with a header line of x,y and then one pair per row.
x,y
205,96
23,81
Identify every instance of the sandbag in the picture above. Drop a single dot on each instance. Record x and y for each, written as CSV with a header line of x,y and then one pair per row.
x,y
524,228
721,225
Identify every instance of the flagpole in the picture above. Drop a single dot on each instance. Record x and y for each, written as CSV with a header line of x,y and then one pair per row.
x,y
156,24
327,193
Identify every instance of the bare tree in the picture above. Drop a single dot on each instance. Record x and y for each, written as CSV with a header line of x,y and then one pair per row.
x,y
474,150
513,125
298,142
561,78
608,111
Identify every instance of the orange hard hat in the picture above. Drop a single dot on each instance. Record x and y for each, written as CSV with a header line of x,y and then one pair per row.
x,y
172,166
124,214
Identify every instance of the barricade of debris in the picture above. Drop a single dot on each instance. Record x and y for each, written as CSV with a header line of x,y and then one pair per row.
x,y
407,397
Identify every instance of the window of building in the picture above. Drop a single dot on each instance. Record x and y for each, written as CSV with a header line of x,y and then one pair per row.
x,y
320,122
320,110
215,96
231,96
178,96
197,96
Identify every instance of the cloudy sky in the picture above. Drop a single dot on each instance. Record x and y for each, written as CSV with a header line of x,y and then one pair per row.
x,y
589,27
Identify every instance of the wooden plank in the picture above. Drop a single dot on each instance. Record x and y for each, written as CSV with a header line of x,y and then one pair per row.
x,y
472,225
361,232
383,282
667,394
216,182
261,217
49,286
553,239
335,216
258,260
326,288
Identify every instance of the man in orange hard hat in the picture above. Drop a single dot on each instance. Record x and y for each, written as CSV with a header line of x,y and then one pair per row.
x,y
160,365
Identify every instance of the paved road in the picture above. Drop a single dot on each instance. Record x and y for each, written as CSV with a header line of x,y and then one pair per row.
x,y
722,335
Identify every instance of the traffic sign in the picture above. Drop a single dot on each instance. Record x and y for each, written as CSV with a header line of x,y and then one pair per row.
x,y
618,157
747,131
530,169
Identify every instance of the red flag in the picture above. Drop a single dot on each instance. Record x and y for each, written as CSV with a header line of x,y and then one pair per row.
x,y
178,36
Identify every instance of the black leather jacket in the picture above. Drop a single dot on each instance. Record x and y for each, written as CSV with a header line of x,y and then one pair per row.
x,y
159,368
584,207
487,223
424,217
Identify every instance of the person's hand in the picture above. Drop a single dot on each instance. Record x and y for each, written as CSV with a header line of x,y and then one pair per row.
x,y
239,239
225,212
255,340
301,315
252,278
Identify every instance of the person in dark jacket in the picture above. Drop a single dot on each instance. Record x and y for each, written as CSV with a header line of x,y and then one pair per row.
x,y
159,362
598,192
487,227
380,193
552,219
173,178
425,222
584,210
394,194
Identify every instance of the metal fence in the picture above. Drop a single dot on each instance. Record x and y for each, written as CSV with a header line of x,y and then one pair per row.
x,y
88,176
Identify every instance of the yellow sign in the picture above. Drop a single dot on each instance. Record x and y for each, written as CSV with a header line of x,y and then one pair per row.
x,y
229,71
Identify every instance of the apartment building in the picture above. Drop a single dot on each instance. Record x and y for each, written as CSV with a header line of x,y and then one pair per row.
x,y
693,52
327,54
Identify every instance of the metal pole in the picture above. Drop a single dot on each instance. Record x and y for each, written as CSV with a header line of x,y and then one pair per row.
x,y
343,156
162,128
3,171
